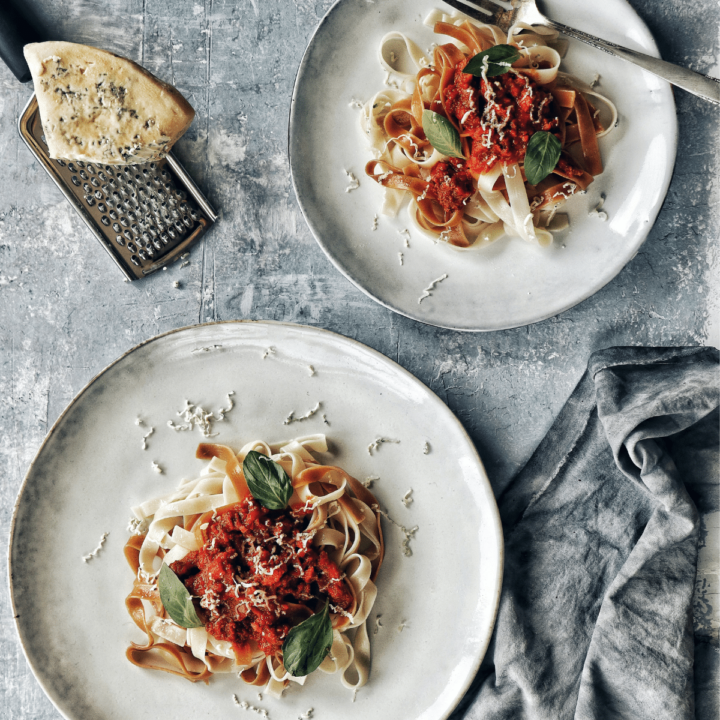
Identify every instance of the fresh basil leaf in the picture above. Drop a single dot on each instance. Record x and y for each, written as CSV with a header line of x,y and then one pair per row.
x,y
307,644
177,600
499,60
441,134
267,481
541,157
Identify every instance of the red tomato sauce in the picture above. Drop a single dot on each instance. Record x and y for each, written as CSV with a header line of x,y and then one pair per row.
x,y
499,114
256,566
451,184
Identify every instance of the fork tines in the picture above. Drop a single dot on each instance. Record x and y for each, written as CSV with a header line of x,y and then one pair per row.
x,y
487,11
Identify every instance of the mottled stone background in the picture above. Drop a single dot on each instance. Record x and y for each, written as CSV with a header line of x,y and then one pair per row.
x,y
65,312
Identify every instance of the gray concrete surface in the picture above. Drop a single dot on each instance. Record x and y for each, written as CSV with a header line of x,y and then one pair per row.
x,y
65,312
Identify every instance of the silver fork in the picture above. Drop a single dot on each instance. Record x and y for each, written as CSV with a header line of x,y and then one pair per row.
x,y
505,14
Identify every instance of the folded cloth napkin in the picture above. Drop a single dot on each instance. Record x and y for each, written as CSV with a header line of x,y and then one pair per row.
x,y
595,619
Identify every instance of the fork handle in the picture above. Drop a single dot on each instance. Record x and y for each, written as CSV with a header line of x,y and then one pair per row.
x,y
696,83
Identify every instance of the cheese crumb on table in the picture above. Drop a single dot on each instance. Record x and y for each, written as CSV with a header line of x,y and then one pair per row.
x,y
426,448
157,468
268,351
407,498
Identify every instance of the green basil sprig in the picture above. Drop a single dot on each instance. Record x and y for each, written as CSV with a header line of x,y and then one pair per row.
x,y
441,134
500,58
307,644
177,600
541,157
267,481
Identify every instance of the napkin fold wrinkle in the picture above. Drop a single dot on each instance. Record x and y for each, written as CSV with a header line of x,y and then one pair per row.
x,y
595,619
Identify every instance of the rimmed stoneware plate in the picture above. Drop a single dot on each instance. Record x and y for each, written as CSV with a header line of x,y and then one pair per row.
x,y
509,283
91,469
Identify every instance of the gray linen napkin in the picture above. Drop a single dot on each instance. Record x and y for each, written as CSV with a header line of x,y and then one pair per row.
x,y
595,618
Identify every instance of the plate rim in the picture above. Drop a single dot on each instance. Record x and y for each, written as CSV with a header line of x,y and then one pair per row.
x,y
603,282
493,506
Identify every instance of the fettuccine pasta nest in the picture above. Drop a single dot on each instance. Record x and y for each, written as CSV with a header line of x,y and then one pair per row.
x,y
257,572
473,200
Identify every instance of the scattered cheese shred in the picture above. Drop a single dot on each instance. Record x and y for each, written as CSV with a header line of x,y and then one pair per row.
x,y
94,553
137,527
427,292
409,534
426,448
291,417
598,212
353,182
377,442
247,706
145,437
157,468
195,416
209,348
407,498
268,351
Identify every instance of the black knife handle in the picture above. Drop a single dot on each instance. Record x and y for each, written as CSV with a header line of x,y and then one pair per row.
x,y
15,33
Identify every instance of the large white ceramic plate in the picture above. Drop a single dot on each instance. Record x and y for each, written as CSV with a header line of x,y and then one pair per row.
x,y
91,469
509,283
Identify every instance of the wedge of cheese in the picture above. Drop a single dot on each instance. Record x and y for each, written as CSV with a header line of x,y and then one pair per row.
x,y
99,107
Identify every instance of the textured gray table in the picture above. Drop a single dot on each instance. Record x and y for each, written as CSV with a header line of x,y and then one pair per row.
x,y
65,312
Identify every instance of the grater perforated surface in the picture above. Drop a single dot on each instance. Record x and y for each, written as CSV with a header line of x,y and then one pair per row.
x,y
144,215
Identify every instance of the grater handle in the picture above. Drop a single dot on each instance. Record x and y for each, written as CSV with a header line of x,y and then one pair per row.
x,y
15,33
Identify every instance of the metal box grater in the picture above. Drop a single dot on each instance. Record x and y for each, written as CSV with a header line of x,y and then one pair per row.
x,y
145,216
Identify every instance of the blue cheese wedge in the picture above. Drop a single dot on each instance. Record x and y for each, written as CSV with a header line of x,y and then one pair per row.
x,y
102,108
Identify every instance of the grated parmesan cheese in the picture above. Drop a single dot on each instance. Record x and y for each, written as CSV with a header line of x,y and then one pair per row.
x,y
291,417
427,292
377,442
94,553
353,182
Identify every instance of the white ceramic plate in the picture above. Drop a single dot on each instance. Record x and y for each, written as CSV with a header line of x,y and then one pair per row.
x,y
510,283
91,469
